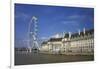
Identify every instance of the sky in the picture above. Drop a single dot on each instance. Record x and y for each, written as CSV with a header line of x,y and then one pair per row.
x,y
50,20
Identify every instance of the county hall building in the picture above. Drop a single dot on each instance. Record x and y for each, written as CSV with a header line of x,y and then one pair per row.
x,y
79,43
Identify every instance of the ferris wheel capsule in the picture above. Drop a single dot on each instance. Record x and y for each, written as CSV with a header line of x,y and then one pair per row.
x,y
32,34
34,18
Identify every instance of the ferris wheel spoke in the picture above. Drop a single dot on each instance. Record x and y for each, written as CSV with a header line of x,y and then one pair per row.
x,y
32,35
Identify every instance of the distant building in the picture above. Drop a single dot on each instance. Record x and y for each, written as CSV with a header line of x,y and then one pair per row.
x,y
81,43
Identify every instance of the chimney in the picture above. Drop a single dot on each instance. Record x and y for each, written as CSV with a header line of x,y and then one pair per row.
x,y
84,30
69,34
79,31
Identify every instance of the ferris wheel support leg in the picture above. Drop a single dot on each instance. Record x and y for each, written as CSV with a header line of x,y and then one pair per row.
x,y
30,50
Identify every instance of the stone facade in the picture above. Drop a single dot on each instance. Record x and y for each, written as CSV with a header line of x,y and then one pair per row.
x,y
81,43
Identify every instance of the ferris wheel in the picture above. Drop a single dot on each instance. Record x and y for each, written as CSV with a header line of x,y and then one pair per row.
x,y
32,34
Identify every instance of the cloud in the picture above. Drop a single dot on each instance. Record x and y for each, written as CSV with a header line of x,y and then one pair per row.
x,y
44,38
69,22
22,16
74,20
76,16
71,25
56,36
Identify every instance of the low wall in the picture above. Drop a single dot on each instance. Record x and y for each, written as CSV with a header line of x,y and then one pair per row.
x,y
67,53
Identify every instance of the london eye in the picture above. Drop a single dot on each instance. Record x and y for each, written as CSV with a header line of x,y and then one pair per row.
x,y
32,34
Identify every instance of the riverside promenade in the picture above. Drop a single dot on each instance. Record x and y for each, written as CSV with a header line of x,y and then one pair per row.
x,y
24,58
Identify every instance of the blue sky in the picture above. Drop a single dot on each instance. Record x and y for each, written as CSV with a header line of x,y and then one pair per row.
x,y
51,20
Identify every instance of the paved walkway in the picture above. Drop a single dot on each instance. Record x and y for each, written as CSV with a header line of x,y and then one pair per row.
x,y
35,58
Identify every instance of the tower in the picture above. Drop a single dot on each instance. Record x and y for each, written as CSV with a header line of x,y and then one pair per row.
x,y
79,31
84,31
69,34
